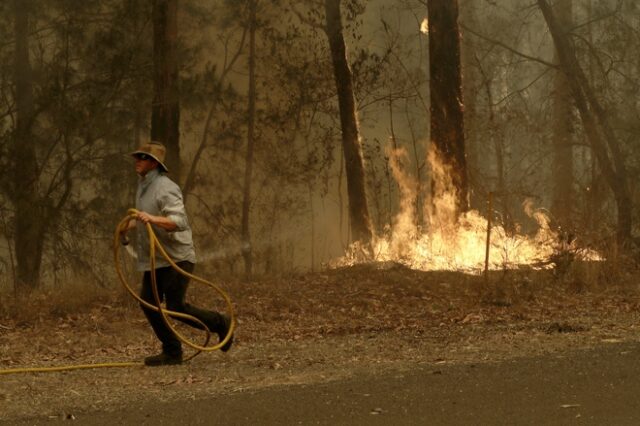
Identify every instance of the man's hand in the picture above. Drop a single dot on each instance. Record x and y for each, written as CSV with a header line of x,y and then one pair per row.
x,y
161,221
145,218
124,238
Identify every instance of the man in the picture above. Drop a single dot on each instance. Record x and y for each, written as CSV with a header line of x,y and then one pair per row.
x,y
159,202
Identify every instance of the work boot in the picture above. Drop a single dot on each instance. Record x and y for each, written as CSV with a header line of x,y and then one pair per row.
x,y
163,358
222,333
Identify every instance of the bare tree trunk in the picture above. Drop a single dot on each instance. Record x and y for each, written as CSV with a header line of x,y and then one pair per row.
x,y
419,163
29,226
341,208
470,79
495,140
358,210
272,261
447,127
247,252
165,112
12,261
562,168
598,129
596,194
312,217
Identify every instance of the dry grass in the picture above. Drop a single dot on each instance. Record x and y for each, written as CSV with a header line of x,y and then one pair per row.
x,y
54,303
311,326
336,298
364,299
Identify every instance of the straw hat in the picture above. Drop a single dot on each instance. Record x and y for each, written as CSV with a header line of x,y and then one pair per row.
x,y
155,150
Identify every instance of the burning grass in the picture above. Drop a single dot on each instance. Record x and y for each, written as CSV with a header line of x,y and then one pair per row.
x,y
467,242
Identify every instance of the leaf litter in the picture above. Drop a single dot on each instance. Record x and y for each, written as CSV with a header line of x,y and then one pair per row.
x,y
308,328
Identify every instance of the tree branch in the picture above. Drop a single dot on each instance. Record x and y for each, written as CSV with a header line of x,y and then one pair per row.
x,y
509,48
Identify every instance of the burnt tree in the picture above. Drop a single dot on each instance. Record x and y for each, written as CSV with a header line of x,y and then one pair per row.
x,y
354,164
447,126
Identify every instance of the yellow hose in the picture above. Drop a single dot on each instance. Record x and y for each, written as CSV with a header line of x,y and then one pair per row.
x,y
153,243
70,367
165,313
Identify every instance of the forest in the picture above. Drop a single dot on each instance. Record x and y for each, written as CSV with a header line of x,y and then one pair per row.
x,y
414,211
306,134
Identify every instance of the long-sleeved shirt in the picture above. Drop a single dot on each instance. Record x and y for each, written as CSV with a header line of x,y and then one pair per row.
x,y
160,196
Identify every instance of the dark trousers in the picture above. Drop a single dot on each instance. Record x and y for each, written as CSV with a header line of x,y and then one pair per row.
x,y
172,288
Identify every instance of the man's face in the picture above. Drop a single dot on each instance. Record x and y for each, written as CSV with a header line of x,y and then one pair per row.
x,y
144,164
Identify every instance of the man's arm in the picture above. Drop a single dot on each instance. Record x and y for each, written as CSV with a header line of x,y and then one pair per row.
x,y
160,221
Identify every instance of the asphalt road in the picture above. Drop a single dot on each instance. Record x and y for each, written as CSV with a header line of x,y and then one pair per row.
x,y
594,387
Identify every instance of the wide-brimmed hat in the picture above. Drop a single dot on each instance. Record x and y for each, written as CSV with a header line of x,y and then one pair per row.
x,y
155,150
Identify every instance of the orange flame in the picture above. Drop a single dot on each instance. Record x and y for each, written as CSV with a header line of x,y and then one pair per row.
x,y
424,26
460,245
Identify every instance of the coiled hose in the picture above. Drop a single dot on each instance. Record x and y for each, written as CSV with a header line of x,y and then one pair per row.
x,y
165,313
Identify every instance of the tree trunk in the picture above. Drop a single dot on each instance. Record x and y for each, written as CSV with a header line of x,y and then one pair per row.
x,y
29,226
447,127
562,168
419,162
247,252
358,211
596,124
596,193
165,112
470,87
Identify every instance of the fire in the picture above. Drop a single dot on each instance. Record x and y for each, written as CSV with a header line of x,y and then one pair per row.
x,y
424,26
460,245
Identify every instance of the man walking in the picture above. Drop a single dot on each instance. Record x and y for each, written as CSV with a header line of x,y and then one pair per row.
x,y
159,203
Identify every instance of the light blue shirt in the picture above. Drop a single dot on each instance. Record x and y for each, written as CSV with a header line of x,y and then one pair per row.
x,y
160,196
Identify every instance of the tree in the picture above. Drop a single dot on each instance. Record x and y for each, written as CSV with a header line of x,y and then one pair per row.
x,y
251,120
69,117
563,198
447,127
29,223
165,115
472,85
596,123
354,164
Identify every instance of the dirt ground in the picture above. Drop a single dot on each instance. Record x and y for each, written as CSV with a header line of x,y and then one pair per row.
x,y
311,328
